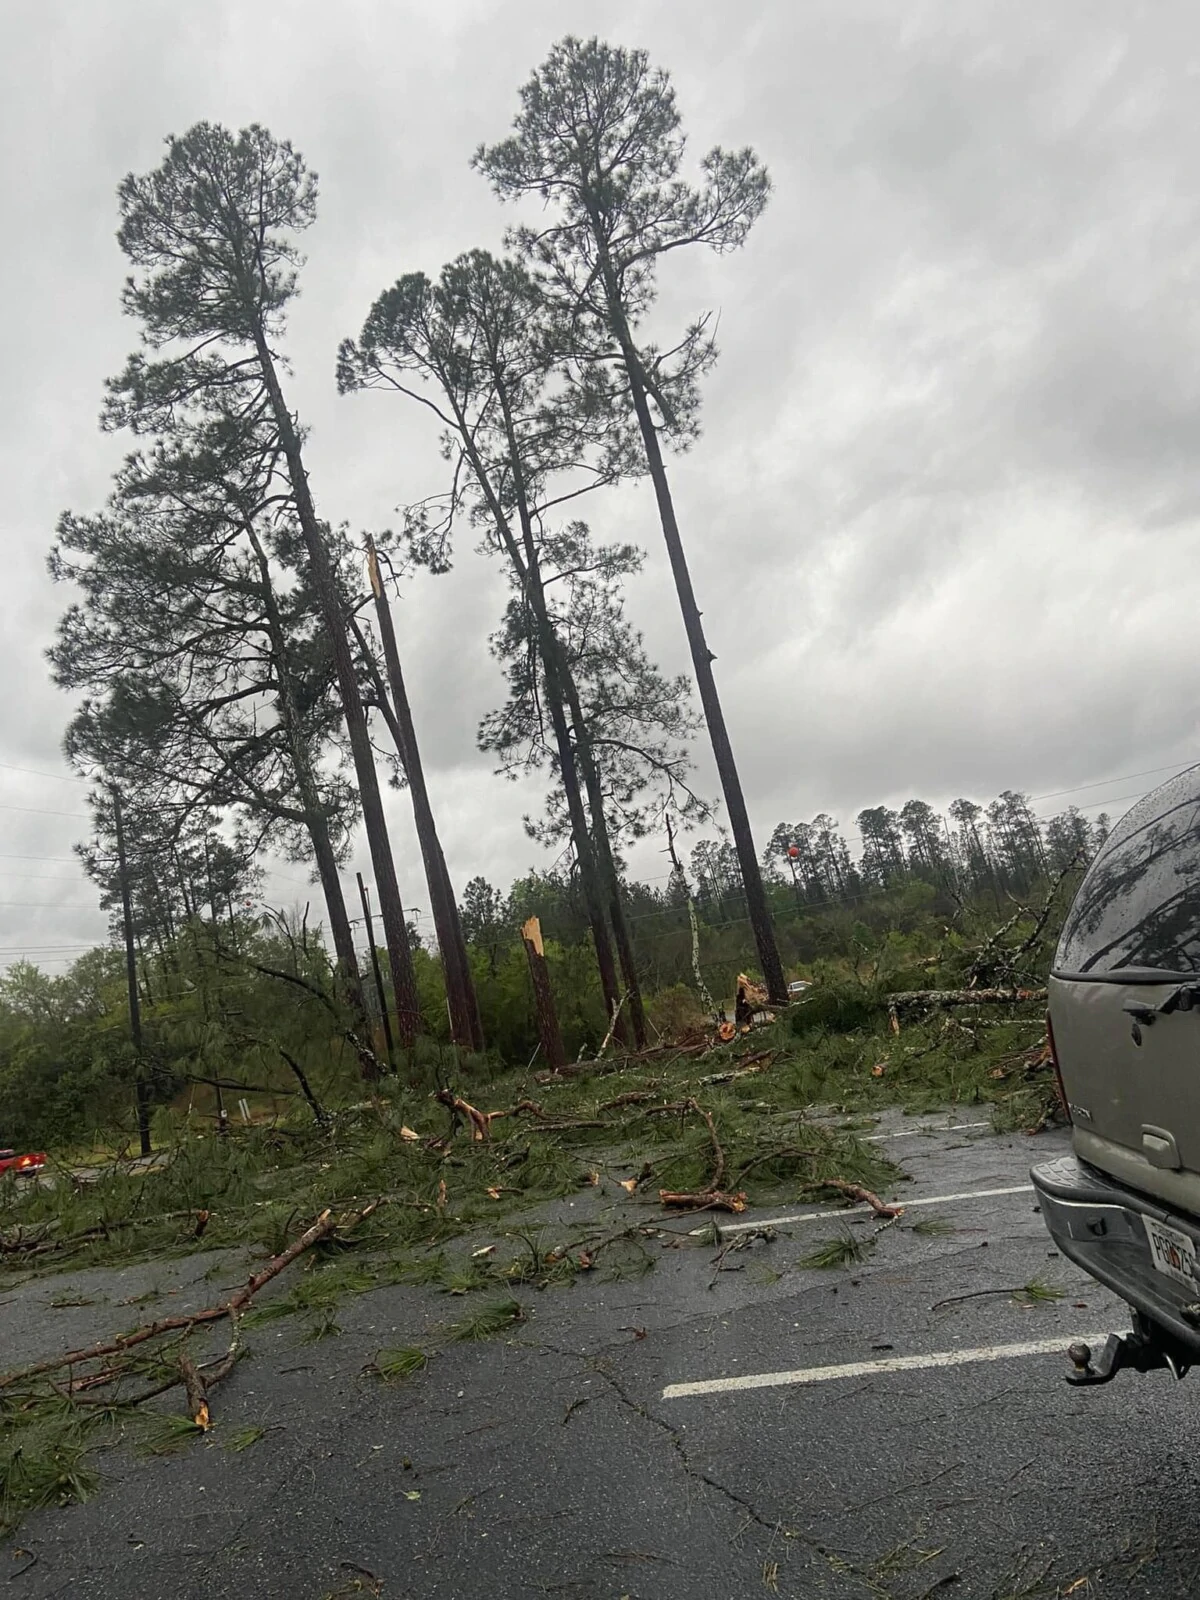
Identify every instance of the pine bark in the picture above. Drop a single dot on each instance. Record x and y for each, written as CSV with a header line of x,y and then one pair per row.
x,y
466,1025
702,656
543,997
404,984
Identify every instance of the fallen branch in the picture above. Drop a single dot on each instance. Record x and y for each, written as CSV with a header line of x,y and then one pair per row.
x,y
774,1155
857,1192
682,1107
548,1120
42,1244
322,1228
596,1068
1032,1291
612,1028
749,1066
712,1198
364,1051
739,1241
632,1097
480,1122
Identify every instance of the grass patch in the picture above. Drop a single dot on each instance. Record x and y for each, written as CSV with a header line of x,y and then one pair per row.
x,y
933,1227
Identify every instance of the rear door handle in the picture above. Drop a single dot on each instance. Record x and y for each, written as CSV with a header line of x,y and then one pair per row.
x,y
1159,1148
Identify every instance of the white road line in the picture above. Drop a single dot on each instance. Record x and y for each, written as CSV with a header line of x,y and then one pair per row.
x,y
938,1127
854,1211
866,1369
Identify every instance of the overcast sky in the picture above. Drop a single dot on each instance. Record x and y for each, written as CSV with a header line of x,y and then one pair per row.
x,y
943,517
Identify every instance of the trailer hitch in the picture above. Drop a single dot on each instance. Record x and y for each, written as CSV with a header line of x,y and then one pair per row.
x,y
1138,1351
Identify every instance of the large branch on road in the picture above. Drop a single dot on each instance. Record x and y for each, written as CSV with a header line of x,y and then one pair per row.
x,y
322,1228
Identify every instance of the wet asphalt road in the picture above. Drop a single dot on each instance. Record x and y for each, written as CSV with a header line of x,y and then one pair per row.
x,y
556,1461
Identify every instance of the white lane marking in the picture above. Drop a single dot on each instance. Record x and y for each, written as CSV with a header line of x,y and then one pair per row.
x,y
865,1369
937,1127
854,1211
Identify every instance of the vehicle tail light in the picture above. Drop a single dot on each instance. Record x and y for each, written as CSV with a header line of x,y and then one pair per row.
x,y
1058,1077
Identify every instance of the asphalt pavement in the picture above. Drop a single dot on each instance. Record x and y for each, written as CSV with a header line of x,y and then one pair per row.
x,y
687,1434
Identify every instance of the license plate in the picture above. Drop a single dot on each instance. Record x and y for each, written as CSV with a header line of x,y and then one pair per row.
x,y
1172,1252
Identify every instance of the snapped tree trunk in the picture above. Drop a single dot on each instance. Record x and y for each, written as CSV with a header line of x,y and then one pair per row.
x,y
543,996
465,1024
404,983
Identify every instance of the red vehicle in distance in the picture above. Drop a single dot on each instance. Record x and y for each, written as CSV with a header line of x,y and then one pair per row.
x,y
10,1161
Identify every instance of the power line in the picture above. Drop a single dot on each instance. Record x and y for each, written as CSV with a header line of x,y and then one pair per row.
x,y
39,858
1126,777
40,877
44,949
1098,805
45,905
32,772
46,811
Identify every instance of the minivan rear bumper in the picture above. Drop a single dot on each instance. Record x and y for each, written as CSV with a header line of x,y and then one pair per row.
x,y
1101,1226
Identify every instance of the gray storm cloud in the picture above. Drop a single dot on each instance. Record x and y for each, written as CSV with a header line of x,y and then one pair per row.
x,y
943,517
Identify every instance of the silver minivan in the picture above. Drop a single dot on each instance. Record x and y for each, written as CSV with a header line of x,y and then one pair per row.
x,y
1124,1004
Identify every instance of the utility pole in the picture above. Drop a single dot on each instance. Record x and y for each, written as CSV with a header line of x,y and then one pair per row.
x,y
379,990
135,1007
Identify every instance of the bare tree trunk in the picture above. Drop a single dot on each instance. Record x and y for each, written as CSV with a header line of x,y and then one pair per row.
x,y
141,1089
404,983
702,660
465,1024
531,583
701,986
557,681
349,979
605,862
379,989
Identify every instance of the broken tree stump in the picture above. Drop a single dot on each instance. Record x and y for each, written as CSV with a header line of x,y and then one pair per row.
x,y
543,997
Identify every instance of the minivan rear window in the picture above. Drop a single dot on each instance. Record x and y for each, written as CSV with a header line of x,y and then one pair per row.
x,y
1138,906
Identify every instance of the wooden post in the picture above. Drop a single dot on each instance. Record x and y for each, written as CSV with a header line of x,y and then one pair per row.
x,y
135,1009
543,997
383,1005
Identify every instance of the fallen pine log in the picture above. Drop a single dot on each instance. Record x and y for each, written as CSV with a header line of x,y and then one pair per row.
x,y
744,1069
595,1068
908,999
